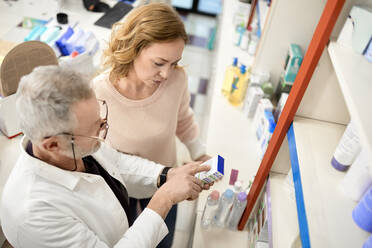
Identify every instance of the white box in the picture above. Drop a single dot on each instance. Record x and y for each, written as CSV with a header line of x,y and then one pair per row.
x,y
215,173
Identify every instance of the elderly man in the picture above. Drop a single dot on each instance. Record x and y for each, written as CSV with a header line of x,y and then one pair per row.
x,y
69,189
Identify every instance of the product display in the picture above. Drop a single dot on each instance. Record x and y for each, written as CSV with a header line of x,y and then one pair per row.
x,y
259,117
233,176
282,87
362,213
239,87
279,108
254,95
347,150
231,72
215,173
368,243
358,179
268,90
293,62
237,210
362,28
224,207
210,209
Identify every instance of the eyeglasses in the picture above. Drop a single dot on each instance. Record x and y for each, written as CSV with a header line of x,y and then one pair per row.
x,y
103,127
102,132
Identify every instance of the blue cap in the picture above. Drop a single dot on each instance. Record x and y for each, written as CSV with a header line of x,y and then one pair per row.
x,y
338,166
228,193
235,62
242,69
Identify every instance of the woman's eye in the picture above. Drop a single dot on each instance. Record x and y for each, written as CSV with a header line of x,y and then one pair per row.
x,y
158,64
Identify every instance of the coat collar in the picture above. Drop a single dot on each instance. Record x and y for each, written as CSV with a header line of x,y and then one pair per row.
x,y
68,179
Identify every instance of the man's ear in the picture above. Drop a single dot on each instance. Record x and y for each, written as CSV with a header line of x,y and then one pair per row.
x,y
51,144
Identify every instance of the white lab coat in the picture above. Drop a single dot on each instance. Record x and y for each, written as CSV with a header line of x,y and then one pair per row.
x,y
44,206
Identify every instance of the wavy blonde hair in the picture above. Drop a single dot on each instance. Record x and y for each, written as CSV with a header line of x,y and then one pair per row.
x,y
143,26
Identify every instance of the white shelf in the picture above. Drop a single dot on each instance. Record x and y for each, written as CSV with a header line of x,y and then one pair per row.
x,y
218,237
328,210
354,75
283,211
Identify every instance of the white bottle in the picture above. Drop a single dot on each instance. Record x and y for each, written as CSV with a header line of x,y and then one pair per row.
x,y
210,209
358,179
253,96
347,149
252,47
224,207
237,211
244,41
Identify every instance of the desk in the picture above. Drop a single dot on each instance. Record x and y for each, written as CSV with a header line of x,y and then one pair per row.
x,y
9,152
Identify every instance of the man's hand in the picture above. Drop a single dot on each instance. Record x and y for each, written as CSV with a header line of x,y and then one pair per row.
x,y
188,169
181,185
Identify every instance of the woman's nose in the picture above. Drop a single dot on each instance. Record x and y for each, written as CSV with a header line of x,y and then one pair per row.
x,y
164,73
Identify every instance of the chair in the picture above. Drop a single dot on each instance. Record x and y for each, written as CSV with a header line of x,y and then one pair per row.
x,y
21,60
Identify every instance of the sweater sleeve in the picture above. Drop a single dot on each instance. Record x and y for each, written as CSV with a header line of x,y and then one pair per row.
x,y
187,128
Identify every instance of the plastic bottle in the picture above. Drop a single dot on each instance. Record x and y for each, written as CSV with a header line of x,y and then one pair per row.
x,y
358,179
238,187
252,47
237,211
244,41
210,209
362,213
239,87
368,243
347,149
268,89
224,207
231,72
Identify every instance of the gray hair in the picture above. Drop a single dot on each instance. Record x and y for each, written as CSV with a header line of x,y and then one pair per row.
x,y
44,101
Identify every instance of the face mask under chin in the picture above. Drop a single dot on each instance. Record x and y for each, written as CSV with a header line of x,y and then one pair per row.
x,y
80,153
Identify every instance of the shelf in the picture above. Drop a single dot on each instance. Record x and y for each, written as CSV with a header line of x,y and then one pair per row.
x,y
283,211
218,237
226,50
328,210
354,75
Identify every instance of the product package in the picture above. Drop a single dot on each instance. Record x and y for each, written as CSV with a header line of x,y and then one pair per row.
x,y
215,173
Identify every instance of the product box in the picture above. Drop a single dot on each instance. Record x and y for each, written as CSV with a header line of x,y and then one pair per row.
x,y
362,31
357,30
293,62
267,129
254,95
280,106
259,117
215,173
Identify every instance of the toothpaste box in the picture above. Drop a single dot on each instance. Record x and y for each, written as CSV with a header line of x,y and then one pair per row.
x,y
216,172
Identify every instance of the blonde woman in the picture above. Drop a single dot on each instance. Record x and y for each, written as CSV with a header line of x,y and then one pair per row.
x,y
146,92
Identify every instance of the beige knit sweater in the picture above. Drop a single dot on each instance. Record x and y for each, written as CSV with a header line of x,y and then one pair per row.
x,y
148,127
